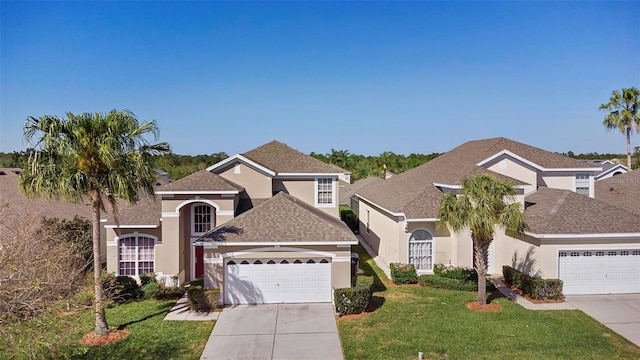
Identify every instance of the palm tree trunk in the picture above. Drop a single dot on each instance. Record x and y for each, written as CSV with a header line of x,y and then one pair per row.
x,y
102,328
629,148
482,255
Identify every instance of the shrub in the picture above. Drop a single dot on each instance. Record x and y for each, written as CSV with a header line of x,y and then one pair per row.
x,y
151,290
442,282
403,273
147,278
200,299
356,299
349,218
539,289
82,299
457,272
121,288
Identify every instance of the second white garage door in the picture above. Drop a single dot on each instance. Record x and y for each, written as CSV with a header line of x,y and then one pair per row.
x,y
599,271
267,281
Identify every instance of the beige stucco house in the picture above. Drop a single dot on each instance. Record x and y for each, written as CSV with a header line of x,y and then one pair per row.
x,y
262,226
592,246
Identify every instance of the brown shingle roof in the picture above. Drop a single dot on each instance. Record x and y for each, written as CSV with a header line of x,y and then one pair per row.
x,y
10,194
202,180
621,190
281,158
554,211
413,193
282,218
144,212
348,191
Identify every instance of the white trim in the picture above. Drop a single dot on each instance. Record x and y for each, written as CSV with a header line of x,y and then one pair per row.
x,y
583,236
617,167
333,192
459,187
169,214
401,214
341,259
187,202
532,164
131,226
243,159
135,234
103,220
433,248
343,246
213,260
309,175
280,249
216,244
225,213
422,220
197,192
212,219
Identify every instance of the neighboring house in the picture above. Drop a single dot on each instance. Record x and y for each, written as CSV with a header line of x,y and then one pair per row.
x,y
591,246
622,191
609,168
349,191
262,226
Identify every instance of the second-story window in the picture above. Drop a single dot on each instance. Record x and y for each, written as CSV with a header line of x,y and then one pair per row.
x,y
582,184
201,219
324,191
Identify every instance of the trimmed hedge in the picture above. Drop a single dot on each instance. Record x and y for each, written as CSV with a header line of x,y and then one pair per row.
x,y
200,299
539,289
349,218
403,273
356,299
442,282
457,273
121,288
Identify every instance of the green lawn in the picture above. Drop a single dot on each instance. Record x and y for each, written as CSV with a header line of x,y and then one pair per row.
x,y
412,319
150,337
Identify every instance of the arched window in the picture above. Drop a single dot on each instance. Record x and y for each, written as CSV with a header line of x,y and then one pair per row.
x,y
202,219
421,249
136,255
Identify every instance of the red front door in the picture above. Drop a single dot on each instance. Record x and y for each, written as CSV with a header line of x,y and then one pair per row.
x,y
199,262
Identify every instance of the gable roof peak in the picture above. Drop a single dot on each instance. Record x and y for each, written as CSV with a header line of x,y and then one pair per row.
x,y
283,159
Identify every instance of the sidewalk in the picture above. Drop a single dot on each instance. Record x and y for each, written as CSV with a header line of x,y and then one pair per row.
x,y
180,311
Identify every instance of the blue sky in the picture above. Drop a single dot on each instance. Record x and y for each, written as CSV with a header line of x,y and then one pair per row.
x,y
368,77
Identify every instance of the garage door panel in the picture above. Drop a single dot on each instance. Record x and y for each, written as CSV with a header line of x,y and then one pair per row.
x,y
599,271
277,282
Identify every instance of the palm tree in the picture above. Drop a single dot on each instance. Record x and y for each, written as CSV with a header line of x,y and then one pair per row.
x,y
97,158
483,204
623,115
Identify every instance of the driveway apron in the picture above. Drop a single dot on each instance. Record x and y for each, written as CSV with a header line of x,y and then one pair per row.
x,y
275,331
619,312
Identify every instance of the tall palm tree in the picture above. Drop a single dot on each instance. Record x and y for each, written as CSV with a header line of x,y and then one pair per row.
x,y
483,204
623,114
95,158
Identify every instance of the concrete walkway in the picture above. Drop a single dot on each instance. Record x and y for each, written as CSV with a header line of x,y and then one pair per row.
x,y
275,331
181,312
508,293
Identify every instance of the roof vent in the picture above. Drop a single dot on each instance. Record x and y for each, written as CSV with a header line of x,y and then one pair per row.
x,y
2,172
17,172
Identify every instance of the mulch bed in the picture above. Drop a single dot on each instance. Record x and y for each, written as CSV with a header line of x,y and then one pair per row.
x,y
491,307
91,339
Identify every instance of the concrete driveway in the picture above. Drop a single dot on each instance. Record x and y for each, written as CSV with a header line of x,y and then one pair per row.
x,y
275,331
619,312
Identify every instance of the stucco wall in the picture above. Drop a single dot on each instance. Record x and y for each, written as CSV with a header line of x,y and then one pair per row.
x,y
256,184
304,189
111,245
508,166
382,226
558,180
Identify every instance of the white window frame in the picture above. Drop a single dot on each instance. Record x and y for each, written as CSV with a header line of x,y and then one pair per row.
x,y
212,221
433,249
137,260
582,179
316,191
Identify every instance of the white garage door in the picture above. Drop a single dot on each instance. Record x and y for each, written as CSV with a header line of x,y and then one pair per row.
x,y
265,281
600,271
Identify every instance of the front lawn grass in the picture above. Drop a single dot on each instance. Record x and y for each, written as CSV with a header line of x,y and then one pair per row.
x,y
414,319
150,337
